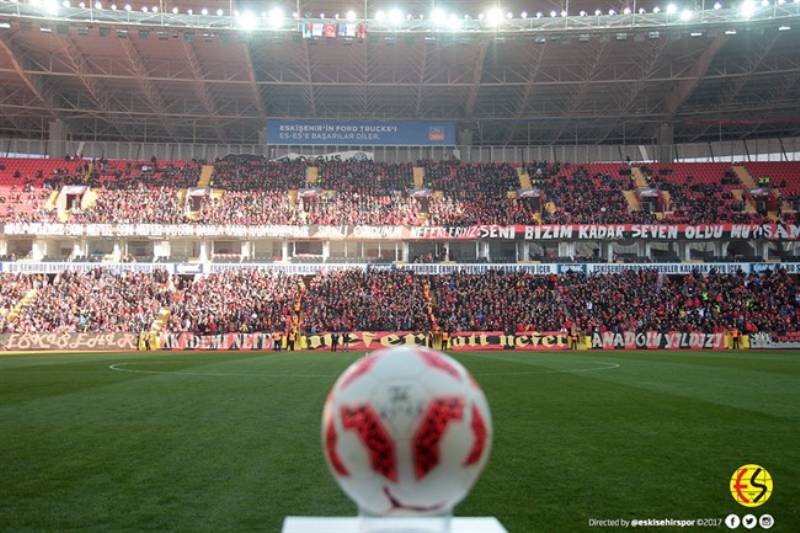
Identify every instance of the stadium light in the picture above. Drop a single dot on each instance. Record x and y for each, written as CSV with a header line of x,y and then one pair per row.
x,y
563,12
582,13
98,5
190,11
747,9
612,12
764,3
220,12
553,13
671,9
380,16
175,10
351,15
509,15
82,5
717,6
276,17
494,17
154,9
524,14
598,12
438,16
395,17
204,12
626,11
538,14
144,9
113,7
128,8
656,10
455,22
247,20
66,3
51,7
687,15
642,11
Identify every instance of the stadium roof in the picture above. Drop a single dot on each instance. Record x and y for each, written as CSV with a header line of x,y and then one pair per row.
x,y
615,82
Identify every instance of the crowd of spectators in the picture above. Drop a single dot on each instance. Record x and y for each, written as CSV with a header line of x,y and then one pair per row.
x,y
453,193
235,301
96,301
248,300
377,300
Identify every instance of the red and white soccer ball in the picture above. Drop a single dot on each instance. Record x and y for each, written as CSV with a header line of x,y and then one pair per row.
x,y
406,431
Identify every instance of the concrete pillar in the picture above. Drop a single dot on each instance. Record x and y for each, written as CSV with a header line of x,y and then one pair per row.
x,y
648,249
244,250
687,251
204,251
724,249
404,252
765,250
610,252
262,136
326,250
666,138
38,249
57,139
447,250
285,250
3,247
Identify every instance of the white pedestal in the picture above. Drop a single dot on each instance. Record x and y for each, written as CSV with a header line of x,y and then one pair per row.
x,y
319,524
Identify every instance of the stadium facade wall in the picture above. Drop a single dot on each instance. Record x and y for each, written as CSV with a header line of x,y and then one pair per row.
x,y
417,268
777,149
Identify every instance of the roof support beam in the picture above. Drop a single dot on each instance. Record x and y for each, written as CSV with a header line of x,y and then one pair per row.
x,y
477,75
684,89
201,90
309,86
525,98
36,86
148,86
252,81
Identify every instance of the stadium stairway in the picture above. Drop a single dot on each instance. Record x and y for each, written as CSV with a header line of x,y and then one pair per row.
x,y
160,323
312,176
50,205
633,200
89,199
524,179
419,177
205,176
749,205
20,306
426,295
638,177
744,176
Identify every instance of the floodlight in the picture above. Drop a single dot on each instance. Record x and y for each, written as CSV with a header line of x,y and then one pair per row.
x,y
717,5
51,7
204,12
494,17
627,11
98,5
455,22
524,14
438,16
395,17
747,9
380,16
351,15
687,15
247,20
276,17
671,9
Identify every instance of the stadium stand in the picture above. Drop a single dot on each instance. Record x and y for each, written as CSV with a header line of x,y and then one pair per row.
x,y
247,300
253,191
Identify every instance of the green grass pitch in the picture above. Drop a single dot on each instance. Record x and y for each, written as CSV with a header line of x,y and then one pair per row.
x,y
216,442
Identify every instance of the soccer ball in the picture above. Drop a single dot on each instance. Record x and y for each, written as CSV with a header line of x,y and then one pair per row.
x,y
406,431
